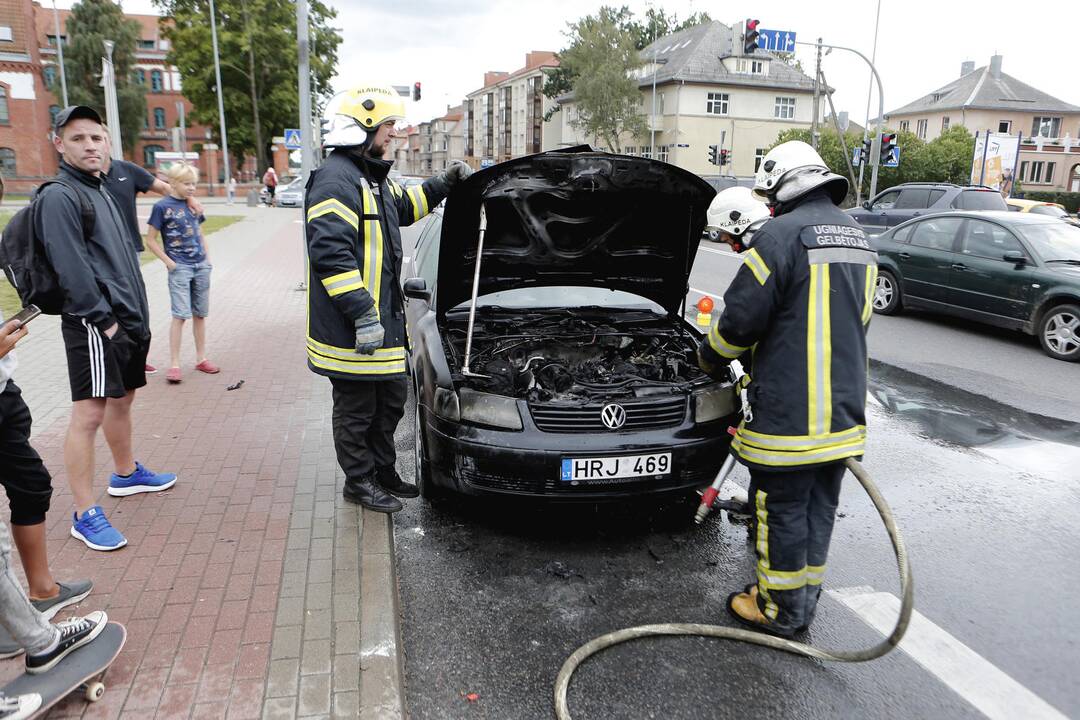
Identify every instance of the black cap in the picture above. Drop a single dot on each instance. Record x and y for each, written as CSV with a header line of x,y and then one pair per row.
x,y
75,112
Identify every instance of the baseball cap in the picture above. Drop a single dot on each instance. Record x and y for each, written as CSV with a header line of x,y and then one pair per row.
x,y
75,112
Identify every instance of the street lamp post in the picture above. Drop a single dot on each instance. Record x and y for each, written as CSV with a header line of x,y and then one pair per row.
x,y
220,96
112,112
60,52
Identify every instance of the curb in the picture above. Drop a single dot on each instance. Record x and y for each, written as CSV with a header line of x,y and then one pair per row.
x,y
382,692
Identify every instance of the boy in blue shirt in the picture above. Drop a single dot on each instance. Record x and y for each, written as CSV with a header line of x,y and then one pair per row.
x,y
186,256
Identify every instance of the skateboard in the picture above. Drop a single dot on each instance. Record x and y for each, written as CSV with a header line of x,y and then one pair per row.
x,y
82,670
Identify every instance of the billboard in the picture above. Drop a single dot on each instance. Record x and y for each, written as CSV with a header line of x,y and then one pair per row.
x,y
994,163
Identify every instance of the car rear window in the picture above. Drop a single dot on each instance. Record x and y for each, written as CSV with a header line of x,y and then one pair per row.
x,y
1050,210
935,195
979,200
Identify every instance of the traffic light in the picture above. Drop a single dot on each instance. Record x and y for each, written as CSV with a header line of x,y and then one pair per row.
x,y
888,144
864,159
750,37
714,156
724,157
415,91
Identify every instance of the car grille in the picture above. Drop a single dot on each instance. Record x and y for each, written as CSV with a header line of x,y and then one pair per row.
x,y
553,486
647,415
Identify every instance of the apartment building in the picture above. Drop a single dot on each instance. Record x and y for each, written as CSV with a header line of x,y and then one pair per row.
x,y
708,93
987,99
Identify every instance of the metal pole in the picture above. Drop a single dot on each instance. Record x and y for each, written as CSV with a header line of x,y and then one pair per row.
x,y
815,132
467,371
869,88
839,132
220,94
60,52
652,118
112,112
183,129
306,154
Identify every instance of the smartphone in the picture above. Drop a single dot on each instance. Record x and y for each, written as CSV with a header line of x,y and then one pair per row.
x,y
27,314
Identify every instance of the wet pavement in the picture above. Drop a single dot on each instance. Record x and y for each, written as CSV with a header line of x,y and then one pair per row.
x,y
496,595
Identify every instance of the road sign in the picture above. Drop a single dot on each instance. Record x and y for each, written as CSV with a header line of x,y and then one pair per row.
x,y
292,138
855,156
486,162
777,40
893,159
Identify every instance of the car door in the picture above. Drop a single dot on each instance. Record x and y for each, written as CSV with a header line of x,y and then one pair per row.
x,y
873,216
926,263
983,283
911,203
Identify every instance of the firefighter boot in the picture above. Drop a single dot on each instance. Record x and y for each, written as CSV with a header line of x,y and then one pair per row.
x,y
743,606
392,483
367,493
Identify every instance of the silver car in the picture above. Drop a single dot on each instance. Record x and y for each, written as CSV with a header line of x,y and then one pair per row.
x,y
292,195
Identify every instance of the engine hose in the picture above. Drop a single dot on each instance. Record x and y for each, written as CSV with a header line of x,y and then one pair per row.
x,y
562,681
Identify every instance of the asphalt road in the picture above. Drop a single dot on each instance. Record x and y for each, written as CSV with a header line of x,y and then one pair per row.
x,y
496,595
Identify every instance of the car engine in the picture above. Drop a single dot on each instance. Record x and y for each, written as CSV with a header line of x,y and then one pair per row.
x,y
562,356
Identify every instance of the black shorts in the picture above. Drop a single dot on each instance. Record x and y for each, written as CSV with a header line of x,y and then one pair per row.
x,y
100,367
23,475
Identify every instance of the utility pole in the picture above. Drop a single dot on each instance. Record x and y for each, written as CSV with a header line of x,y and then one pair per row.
x,y
112,112
839,130
869,88
60,52
220,96
183,129
815,132
652,118
304,73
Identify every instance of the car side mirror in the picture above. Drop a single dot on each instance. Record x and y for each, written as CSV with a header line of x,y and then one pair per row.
x,y
1015,256
866,204
417,289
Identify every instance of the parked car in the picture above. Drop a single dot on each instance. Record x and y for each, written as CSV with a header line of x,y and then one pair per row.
x,y
1012,270
909,200
291,195
581,379
1038,207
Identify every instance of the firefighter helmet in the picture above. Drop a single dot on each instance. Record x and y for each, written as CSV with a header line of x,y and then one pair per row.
x,y
734,211
357,112
792,169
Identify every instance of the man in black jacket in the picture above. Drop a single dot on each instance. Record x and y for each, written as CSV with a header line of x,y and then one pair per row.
x,y
801,302
104,322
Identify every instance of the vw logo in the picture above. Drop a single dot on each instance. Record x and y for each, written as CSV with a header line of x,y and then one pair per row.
x,y
613,416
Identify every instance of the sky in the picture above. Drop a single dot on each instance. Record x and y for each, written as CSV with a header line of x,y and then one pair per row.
x,y
448,45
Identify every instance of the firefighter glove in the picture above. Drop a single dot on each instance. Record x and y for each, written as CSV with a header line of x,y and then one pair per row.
x,y
455,172
369,332
717,371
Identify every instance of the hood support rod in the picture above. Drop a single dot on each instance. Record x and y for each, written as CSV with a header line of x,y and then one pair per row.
x,y
467,371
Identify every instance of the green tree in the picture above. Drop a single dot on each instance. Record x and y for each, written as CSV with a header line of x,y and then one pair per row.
x,y
258,53
600,60
947,158
90,24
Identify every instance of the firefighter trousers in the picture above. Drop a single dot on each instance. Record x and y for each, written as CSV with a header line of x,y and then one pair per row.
x,y
793,523
366,414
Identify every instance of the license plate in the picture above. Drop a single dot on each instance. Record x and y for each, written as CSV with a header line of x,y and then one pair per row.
x,y
613,468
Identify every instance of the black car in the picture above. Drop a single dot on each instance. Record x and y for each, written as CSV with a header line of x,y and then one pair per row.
x,y
577,378
903,202
1013,270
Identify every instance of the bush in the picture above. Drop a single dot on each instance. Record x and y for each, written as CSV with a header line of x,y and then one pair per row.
x,y
1069,200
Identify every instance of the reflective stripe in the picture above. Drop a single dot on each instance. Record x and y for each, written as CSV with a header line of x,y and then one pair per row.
x,y
388,367
779,458
343,283
757,266
763,551
337,208
780,579
419,201
853,256
350,354
395,188
722,346
819,353
815,574
800,442
373,246
871,290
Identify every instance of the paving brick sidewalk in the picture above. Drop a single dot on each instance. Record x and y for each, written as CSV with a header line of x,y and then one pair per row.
x,y
240,587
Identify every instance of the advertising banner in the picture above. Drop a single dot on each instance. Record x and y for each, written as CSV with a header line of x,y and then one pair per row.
x,y
995,160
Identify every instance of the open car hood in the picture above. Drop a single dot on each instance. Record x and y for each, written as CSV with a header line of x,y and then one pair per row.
x,y
575,217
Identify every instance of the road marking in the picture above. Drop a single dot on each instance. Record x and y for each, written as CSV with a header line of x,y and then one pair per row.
x,y
967,673
720,252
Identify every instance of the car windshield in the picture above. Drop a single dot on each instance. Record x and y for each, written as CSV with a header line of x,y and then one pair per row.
x,y
979,200
565,297
1053,241
1051,210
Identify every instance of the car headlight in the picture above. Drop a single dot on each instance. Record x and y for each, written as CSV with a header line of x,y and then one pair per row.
x,y
446,404
487,409
714,402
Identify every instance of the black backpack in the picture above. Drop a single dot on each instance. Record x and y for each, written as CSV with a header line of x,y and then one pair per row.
x,y
23,256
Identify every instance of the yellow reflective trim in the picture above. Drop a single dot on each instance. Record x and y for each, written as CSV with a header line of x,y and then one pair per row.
x,y
811,348
419,201
815,574
391,368
340,276
333,211
395,188
780,579
762,547
750,434
802,442
336,207
348,287
722,346
871,290
392,353
757,265
802,457
826,350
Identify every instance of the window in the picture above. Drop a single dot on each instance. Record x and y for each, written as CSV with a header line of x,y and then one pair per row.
x,y
759,155
155,81
920,128
944,124
886,200
937,234
979,200
1023,170
717,104
785,108
935,195
1005,126
904,125
7,161
159,118
48,73
139,76
5,34
1049,173
757,67
1046,127
53,110
630,150
145,122
1036,172
427,253
988,240
913,199
147,45
662,152
4,117
52,40
150,154
902,235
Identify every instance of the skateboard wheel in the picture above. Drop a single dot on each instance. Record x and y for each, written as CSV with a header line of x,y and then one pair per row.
x,y
94,691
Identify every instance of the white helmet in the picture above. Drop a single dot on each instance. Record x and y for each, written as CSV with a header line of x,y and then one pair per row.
x,y
792,169
736,211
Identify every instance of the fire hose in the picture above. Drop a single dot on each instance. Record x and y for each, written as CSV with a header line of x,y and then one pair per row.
x,y
562,681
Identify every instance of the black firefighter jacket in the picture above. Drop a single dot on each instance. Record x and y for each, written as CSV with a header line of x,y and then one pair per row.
x,y
354,214
801,303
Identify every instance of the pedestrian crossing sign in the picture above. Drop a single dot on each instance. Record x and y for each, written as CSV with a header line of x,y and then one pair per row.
x,y
292,138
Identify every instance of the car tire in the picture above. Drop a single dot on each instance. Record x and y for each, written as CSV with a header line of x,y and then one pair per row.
x,y
1059,332
887,299
427,488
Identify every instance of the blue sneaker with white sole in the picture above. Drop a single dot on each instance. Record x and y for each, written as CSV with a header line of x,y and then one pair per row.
x,y
140,481
94,529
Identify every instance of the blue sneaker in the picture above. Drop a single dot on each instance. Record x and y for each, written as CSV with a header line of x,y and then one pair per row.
x,y
94,529
140,481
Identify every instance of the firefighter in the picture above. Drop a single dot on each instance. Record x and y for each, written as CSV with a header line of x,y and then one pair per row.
x,y
801,302
356,322
736,215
